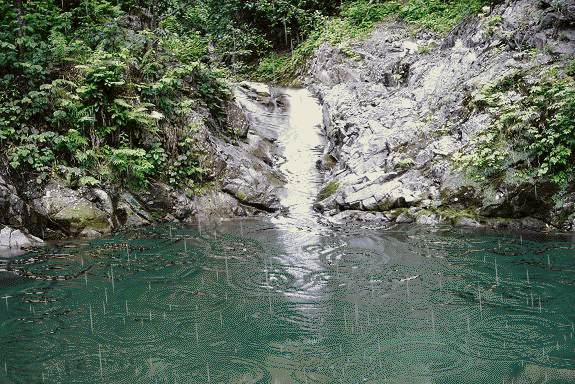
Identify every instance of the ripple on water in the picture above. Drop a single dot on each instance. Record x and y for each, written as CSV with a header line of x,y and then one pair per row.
x,y
135,329
254,280
231,370
356,262
418,359
49,267
82,365
514,336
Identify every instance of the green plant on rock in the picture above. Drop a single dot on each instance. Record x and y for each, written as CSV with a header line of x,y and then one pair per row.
x,y
532,128
129,166
187,169
404,164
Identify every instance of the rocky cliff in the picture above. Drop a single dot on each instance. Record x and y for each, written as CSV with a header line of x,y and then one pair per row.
x,y
401,110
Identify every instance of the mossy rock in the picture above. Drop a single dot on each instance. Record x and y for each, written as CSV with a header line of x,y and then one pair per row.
x,y
83,214
328,190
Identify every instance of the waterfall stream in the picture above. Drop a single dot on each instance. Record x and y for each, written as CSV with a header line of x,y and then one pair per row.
x,y
301,143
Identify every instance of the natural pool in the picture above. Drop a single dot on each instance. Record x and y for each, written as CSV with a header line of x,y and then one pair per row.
x,y
259,302
293,299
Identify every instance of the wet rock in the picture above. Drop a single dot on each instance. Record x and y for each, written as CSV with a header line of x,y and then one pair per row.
x,y
18,213
130,211
249,179
256,101
533,224
254,189
360,216
394,109
466,222
102,200
215,205
237,121
404,217
371,191
72,209
156,197
89,233
428,219
327,204
15,239
183,207
11,206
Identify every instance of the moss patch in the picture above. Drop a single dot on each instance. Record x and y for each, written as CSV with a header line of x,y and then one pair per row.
x,y
328,190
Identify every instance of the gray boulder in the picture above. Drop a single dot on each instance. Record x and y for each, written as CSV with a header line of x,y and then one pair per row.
x,y
73,210
13,240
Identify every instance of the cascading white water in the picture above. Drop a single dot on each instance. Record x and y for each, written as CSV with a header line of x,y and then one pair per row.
x,y
301,143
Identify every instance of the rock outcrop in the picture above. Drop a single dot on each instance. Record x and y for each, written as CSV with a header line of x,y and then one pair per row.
x,y
397,109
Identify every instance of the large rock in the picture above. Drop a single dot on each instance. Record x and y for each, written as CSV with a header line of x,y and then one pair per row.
x,y
130,211
373,191
250,173
466,222
254,188
73,210
13,240
16,212
237,120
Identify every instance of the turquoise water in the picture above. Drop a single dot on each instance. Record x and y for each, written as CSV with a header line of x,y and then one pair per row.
x,y
291,299
271,301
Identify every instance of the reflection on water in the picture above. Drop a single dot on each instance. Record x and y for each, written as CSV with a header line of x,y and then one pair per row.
x,y
409,305
290,300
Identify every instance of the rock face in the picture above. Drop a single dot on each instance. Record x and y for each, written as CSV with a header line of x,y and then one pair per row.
x,y
250,175
72,207
396,110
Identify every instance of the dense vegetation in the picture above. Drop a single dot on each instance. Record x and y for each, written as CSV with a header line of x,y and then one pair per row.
x,y
114,92
532,128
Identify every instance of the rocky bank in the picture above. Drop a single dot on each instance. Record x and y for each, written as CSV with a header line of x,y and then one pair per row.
x,y
243,181
397,111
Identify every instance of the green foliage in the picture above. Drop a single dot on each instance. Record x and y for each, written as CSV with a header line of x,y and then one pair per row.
x,y
129,166
532,127
570,70
438,15
81,92
356,20
188,50
363,13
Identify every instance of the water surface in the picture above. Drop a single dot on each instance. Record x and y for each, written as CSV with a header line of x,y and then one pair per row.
x,y
291,300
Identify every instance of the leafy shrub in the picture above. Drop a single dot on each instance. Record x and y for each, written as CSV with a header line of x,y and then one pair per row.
x,y
130,166
537,124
